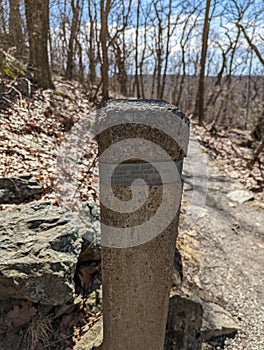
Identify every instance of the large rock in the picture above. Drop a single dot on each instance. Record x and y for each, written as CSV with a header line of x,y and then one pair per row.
x,y
90,232
184,324
238,193
39,248
217,322
18,189
93,339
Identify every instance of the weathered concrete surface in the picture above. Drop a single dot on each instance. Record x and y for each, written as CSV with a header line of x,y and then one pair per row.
x,y
137,278
39,248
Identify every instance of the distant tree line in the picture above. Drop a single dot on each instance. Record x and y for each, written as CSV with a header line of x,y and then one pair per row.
x,y
205,56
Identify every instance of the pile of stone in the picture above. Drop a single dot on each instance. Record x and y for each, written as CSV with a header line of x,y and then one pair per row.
x,y
49,256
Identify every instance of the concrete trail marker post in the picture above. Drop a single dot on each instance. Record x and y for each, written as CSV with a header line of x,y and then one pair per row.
x,y
142,144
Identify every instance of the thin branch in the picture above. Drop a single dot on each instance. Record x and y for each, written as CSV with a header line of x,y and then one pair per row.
x,y
252,46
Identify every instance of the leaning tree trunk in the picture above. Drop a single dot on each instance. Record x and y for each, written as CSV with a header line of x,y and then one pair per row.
x,y
37,17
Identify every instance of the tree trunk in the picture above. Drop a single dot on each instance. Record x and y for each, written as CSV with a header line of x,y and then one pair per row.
x,y
37,17
167,51
15,28
199,103
122,74
91,50
136,52
159,53
74,29
104,12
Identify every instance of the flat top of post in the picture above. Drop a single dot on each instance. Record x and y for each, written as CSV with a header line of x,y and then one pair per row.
x,y
145,104
156,114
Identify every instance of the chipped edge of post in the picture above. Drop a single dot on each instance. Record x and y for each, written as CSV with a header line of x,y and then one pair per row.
x,y
125,111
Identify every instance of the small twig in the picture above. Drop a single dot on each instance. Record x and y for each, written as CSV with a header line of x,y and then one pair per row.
x,y
9,101
19,93
29,86
86,173
57,341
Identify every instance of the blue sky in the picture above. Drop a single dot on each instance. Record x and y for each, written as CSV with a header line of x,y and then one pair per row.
x,y
223,29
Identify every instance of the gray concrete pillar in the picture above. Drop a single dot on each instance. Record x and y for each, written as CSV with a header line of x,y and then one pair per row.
x,y
144,140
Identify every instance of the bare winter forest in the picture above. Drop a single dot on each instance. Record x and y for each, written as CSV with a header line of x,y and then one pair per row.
x,y
204,56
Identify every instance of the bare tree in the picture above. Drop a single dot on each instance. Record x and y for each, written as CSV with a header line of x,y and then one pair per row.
x,y
250,43
4,37
15,28
37,17
159,46
136,50
75,26
91,40
199,103
117,40
105,7
187,32
60,18
144,55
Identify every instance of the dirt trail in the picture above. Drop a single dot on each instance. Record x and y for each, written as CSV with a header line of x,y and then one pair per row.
x,y
230,242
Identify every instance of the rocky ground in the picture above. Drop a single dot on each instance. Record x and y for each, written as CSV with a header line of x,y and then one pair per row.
x,y
228,240
221,232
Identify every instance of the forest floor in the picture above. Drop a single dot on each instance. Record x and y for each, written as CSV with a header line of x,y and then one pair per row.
x,y
224,257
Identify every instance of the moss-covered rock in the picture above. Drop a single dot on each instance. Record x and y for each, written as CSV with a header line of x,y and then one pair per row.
x,y
10,67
